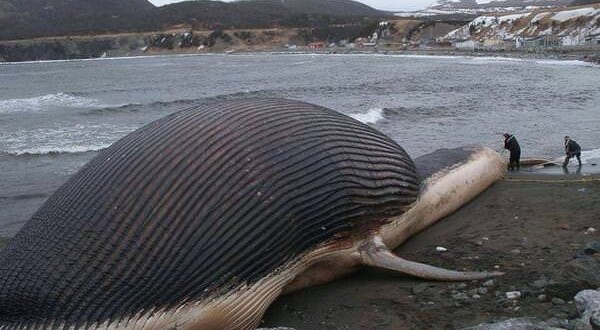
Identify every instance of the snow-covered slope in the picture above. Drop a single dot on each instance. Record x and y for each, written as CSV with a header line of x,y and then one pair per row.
x,y
572,25
489,4
480,7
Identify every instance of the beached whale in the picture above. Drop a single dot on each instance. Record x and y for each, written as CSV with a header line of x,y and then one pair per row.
x,y
201,219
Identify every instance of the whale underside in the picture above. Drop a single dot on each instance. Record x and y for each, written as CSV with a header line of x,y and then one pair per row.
x,y
201,219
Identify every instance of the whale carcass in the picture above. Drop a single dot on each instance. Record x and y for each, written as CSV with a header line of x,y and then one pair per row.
x,y
201,219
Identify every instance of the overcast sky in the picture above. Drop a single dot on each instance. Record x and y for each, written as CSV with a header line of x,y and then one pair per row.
x,y
379,4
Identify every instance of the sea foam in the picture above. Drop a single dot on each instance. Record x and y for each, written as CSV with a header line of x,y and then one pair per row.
x,y
370,117
57,150
45,102
61,140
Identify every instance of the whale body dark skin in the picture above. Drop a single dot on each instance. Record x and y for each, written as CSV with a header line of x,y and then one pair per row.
x,y
201,219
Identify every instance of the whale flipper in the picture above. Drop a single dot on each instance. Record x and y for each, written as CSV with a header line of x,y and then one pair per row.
x,y
376,254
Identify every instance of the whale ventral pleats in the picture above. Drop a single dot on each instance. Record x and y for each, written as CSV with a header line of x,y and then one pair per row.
x,y
196,204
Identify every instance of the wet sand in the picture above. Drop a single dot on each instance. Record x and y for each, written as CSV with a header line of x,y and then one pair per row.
x,y
530,226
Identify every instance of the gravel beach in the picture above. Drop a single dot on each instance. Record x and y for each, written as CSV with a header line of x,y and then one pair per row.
x,y
537,228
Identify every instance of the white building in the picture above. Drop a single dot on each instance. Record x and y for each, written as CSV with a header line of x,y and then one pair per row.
x,y
466,45
570,41
519,42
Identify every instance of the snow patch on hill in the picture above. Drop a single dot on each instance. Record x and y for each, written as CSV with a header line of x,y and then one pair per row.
x,y
573,26
496,6
576,13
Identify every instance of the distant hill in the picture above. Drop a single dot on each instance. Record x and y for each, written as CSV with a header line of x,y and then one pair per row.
x,y
324,7
262,13
573,25
28,18
40,18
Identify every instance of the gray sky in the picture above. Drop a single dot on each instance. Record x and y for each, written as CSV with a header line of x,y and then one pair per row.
x,y
379,4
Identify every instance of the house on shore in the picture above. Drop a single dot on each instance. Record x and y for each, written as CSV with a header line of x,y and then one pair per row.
x,y
466,45
316,45
496,44
593,40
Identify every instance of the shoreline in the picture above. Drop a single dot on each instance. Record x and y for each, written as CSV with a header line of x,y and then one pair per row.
x,y
442,53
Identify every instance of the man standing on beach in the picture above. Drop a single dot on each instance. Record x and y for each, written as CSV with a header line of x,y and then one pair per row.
x,y
510,143
572,149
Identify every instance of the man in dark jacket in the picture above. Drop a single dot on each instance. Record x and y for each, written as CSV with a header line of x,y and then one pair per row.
x,y
510,143
572,149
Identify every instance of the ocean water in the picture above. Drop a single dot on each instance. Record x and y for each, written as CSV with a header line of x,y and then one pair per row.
x,y
55,116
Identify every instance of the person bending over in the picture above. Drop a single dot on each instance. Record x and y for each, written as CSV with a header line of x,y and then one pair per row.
x,y
572,149
511,143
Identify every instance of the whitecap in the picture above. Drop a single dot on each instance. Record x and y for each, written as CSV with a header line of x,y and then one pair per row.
x,y
567,63
56,150
45,102
370,117
67,139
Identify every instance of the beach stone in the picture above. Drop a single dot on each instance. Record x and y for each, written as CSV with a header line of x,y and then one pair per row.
x,y
588,305
488,283
542,283
595,320
578,325
558,301
460,296
592,248
582,271
513,295
482,291
515,251
527,293
417,289
521,323
542,297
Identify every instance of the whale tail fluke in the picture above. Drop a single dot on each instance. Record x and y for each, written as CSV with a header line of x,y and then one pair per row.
x,y
376,254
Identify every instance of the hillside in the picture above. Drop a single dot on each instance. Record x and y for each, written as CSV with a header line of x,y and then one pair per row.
x,y
488,4
33,18
41,18
466,8
573,26
330,7
262,13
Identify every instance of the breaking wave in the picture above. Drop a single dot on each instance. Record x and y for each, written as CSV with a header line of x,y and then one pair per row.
x,y
45,102
567,63
55,151
140,107
62,140
370,117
